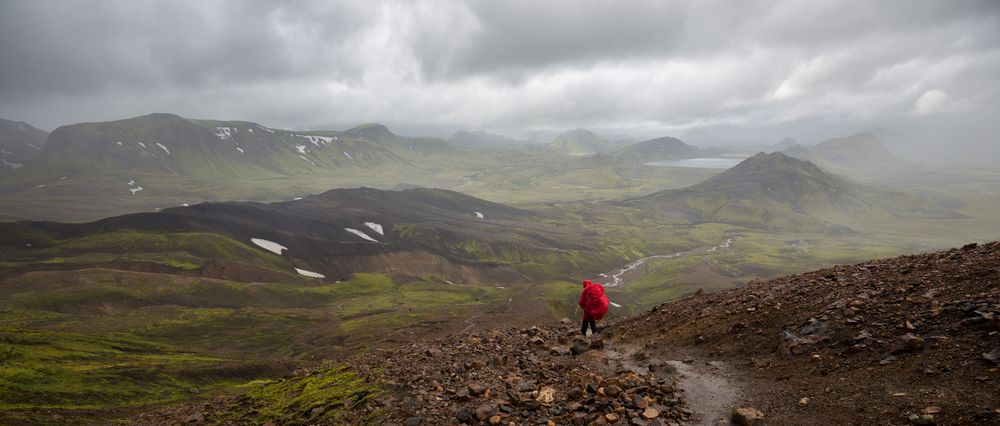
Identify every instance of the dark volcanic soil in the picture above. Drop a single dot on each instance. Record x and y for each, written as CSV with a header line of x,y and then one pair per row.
x,y
873,343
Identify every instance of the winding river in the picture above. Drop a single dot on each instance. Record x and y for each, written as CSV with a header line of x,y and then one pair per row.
x,y
616,276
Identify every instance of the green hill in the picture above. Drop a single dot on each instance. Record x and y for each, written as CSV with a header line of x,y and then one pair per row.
x,y
775,191
659,149
579,142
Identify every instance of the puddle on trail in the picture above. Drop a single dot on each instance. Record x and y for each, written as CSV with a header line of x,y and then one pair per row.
x,y
706,385
707,390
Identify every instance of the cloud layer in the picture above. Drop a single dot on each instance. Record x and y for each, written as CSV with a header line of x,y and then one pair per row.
x,y
630,66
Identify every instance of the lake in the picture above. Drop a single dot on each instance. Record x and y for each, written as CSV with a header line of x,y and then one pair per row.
x,y
701,163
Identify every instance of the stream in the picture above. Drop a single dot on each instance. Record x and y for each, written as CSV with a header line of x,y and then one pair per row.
x,y
617,279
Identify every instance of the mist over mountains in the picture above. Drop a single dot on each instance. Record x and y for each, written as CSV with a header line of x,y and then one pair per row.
x,y
403,213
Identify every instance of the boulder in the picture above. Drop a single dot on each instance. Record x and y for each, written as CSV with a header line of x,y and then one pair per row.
x,y
747,416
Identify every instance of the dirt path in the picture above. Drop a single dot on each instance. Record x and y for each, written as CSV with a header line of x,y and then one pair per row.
x,y
708,390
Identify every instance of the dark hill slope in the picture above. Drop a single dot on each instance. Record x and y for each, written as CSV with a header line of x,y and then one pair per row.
x,y
20,143
779,192
342,231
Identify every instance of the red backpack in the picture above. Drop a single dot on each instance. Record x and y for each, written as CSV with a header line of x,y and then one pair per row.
x,y
593,300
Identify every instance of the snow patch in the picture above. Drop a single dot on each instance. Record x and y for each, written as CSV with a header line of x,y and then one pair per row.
x,y
296,198
348,155
250,130
317,140
224,133
131,182
136,189
480,215
185,205
163,148
309,274
119,143
360,234
268,245
142,145
239,149
615,304
301,148
34,146
41,185
375,227
310,161
14,166
4,151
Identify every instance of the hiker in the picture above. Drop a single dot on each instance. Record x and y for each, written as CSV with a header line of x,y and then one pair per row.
x,y
594,304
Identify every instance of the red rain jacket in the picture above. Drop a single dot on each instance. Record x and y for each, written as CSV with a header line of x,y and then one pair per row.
x,y
593,301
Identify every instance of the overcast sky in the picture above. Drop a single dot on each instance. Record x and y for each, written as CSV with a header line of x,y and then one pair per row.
x,y
742,70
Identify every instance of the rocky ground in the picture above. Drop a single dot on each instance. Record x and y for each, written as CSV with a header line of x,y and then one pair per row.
x,y
913,339
908,340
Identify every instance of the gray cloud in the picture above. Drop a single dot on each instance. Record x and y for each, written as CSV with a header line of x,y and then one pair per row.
x,y
651,67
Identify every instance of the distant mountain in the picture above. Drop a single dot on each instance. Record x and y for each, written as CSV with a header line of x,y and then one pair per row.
x,y
659,149
860,152
20,143
701,137
780,192
580,142
410,233
784,143
481,139
212,149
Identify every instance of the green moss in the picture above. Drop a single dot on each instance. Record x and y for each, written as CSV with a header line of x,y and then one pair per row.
x,y
327,395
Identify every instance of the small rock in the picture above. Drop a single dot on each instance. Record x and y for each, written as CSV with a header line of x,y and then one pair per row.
x,y
803,402
579,347
638,401
477,389
909,342
463,415
651,413
565,321
922,419
932,409
410,404
195,418
538,341
993,356
414,421
546,395
485,411
596,342
887,360
747,416
495,420
611,417
612,390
